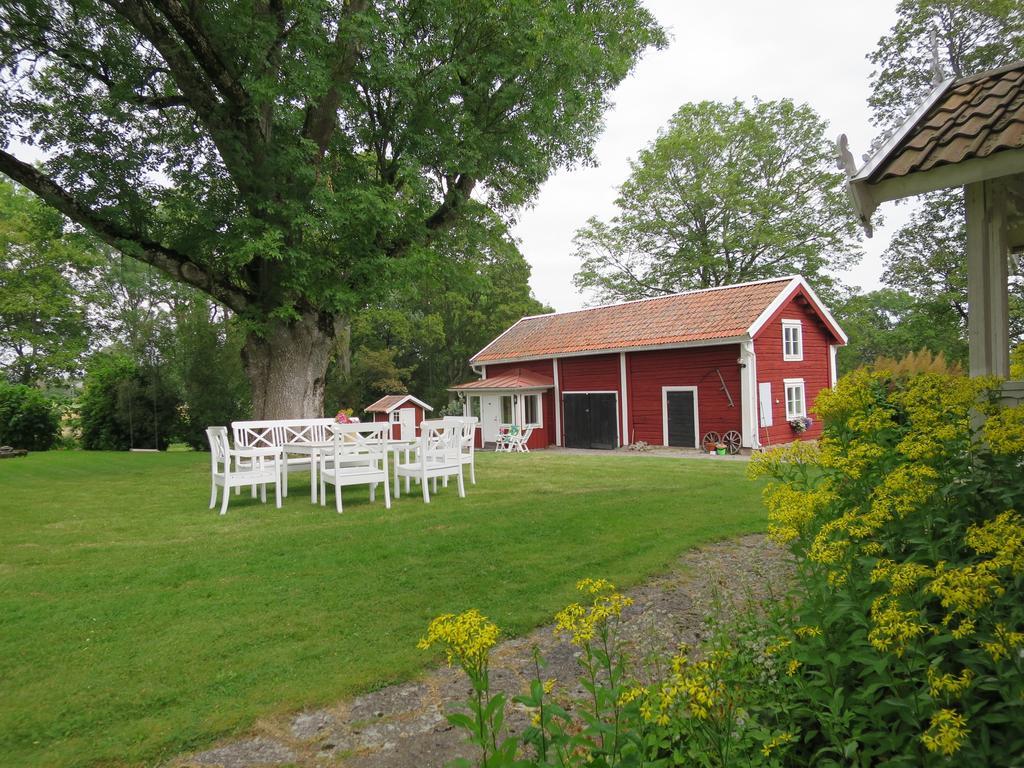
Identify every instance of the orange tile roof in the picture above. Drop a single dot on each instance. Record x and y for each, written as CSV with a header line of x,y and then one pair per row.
x,y
974,117
704,315
517,378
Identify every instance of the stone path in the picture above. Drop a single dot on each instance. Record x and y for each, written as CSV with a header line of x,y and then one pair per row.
x,y
405,725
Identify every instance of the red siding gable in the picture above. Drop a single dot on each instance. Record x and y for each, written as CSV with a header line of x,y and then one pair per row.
x,y
815,368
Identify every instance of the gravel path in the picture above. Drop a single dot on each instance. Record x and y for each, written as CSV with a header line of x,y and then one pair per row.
x,y
404,725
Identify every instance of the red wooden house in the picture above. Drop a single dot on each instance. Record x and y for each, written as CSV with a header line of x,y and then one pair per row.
x,y
745,359
404,412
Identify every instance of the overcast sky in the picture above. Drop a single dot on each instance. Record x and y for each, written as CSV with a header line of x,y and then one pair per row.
x,y
812,51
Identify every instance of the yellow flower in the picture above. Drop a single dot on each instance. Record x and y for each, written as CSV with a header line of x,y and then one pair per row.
x,y
792,667
777,741
467,638
582,623
1005,641
1003,538
1004,431
549,685
946,733
948,684
805,632
893,629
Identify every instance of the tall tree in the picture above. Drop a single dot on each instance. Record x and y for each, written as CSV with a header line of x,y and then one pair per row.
x,y
727,193
446,303
43,320
893,323
278,154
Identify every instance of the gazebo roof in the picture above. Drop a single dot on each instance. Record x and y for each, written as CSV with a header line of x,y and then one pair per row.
x,y
966,130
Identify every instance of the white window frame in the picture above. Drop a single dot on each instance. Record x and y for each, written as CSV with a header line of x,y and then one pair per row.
x,y
540,409
479,406
395,416
787,385
798,354
511,407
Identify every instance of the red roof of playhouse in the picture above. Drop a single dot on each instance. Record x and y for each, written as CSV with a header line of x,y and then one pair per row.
x,y
516,378
388,403
693,318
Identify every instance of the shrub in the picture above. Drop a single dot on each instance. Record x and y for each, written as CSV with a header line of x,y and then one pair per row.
x,y
905,522
28,419
125,406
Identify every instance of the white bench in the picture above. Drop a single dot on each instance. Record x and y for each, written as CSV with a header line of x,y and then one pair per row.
x,y
278,433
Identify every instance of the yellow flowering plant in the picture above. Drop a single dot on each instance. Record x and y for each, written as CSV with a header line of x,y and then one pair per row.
x,y
909,539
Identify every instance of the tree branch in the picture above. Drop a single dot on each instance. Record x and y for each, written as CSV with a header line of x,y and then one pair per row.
x,y
322,117
205,53
175,265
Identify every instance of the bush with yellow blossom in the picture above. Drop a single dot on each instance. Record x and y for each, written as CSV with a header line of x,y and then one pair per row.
x,y
907,521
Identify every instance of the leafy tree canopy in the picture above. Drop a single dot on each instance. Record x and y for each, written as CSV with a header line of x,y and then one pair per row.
x,y
279,154
727,193
43,323
891,323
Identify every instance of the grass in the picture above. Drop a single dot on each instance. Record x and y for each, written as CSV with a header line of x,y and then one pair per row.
x,y
137,624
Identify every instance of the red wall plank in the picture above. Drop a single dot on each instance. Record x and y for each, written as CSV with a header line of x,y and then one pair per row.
x,y
648,372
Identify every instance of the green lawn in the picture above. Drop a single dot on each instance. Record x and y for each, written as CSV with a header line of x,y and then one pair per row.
x,y
138,624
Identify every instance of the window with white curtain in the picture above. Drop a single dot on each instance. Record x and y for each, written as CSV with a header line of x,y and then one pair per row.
x,y
531,409
796,401
792,340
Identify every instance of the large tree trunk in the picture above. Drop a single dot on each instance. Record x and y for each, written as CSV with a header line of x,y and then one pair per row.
x,y
287,365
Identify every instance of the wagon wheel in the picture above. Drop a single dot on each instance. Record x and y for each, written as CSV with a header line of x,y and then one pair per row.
x,y
733,440
710,441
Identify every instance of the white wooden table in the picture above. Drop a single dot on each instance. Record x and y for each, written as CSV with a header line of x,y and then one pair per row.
x,y
313,450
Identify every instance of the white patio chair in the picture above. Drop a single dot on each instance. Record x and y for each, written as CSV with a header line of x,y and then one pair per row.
x,y
437,455
238,468
467,441
517,440
506,434
358,456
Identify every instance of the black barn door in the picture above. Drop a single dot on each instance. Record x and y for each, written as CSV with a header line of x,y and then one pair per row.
x,y
591,420
681,429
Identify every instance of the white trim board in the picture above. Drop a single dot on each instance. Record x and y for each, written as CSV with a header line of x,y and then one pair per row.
x,y
664,414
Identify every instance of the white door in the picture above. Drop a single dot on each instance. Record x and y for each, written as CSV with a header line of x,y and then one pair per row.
x,y
407,423
764,393
490,417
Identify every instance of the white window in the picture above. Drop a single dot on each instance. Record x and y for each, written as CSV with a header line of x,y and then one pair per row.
x,y
474,406
792,340
396,416
531,409
506,410
796,402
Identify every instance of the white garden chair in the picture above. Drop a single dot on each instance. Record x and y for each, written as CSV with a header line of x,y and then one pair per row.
x,y
438,455
358,456
467,441
241,467
517,440
506,434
